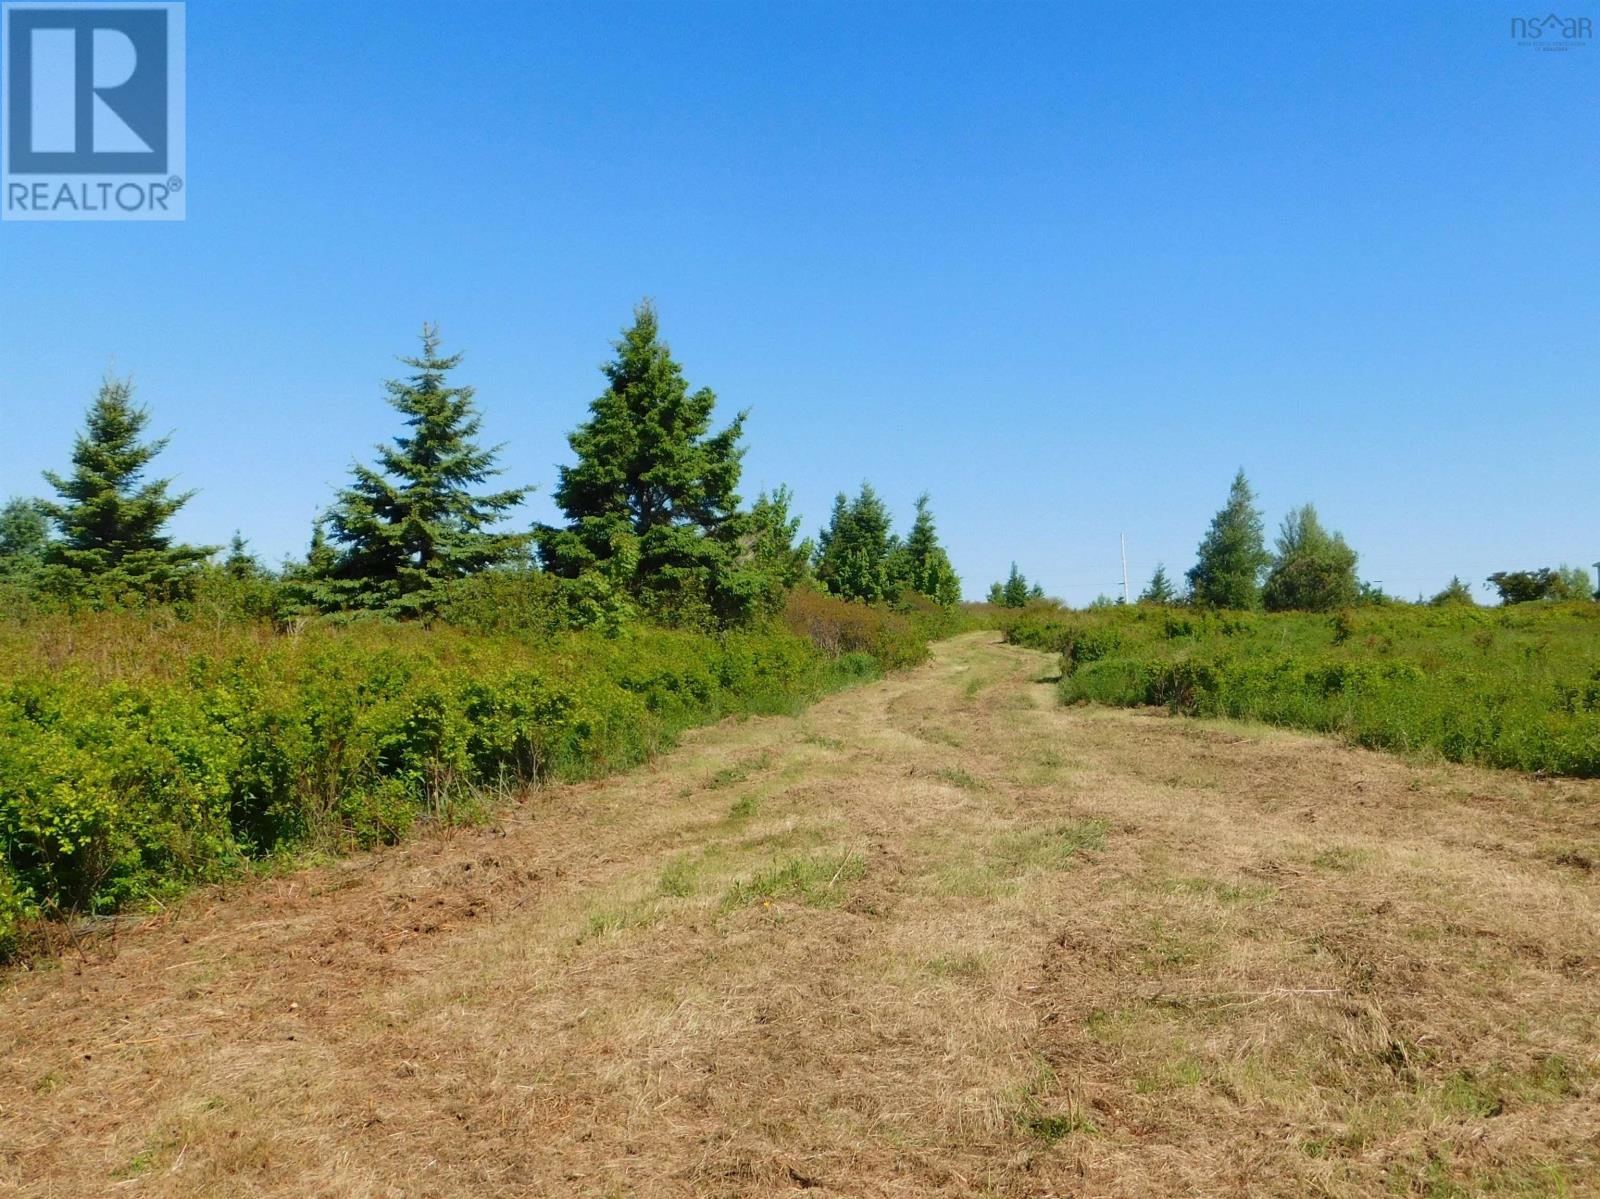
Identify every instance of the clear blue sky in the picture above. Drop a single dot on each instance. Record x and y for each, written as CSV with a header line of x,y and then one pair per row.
x,y
1065,266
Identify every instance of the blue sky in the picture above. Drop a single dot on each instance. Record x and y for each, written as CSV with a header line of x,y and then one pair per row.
x,y
1066,267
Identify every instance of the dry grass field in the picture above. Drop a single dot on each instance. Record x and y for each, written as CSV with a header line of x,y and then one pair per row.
x,y
938,936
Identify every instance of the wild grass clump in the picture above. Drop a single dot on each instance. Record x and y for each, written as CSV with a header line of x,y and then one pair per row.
x,y
1515,687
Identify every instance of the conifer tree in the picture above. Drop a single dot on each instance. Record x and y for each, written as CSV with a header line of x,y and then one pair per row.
x,y
112,524
1232,555
928,569
1015,589
408,526
853,551
1014,593
1314,570
321,557
651,503
1160,589
240,562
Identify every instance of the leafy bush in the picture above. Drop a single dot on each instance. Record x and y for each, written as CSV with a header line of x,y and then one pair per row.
x,y
1511,687
839,627
141,752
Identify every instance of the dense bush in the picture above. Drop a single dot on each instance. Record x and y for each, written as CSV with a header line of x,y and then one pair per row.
x,y
1514,687
143,751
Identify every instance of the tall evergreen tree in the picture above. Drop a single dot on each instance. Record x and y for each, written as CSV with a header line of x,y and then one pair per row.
x,y
412,524
928,568
1314,570
112,524
651,503
1160,589
1233,554
853,551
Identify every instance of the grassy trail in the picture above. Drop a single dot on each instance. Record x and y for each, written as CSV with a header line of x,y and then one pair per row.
x,y
936,936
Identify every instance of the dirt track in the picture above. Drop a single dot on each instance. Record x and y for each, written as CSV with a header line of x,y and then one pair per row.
x,y
937,936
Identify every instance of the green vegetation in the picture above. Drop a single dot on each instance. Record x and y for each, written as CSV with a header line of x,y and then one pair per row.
x,y
1015,592
1160,589
858,557
1512,687
167,716
652,507
1313,571
110,521
141,752
1525,586
410,526
1227,572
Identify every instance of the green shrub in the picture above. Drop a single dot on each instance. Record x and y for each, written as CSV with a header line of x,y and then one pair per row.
x,y
144,751
1517,687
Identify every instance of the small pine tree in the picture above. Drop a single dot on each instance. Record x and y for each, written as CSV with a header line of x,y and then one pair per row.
x,y
1232,555
927,565
112,524
651,504
240,562
1314,570
412,525
1160,589
1455,592
1014,591
855,549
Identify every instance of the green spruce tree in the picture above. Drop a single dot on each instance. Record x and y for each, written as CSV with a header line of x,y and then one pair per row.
x,y
1014,592
1456,591
855,548
1160,589
240,563
651,503
111,522
928,569
1232,555
412,524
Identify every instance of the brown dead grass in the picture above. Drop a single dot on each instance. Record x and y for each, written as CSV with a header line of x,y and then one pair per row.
x,y
937,936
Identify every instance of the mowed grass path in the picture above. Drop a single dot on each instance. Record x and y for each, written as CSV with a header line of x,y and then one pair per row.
x,y
937,936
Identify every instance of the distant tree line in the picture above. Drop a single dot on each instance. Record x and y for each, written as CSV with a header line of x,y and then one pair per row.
x,y
1313,569
1309,568
653,522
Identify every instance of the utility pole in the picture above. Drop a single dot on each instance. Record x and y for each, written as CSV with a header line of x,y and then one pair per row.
x,y
1125,597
